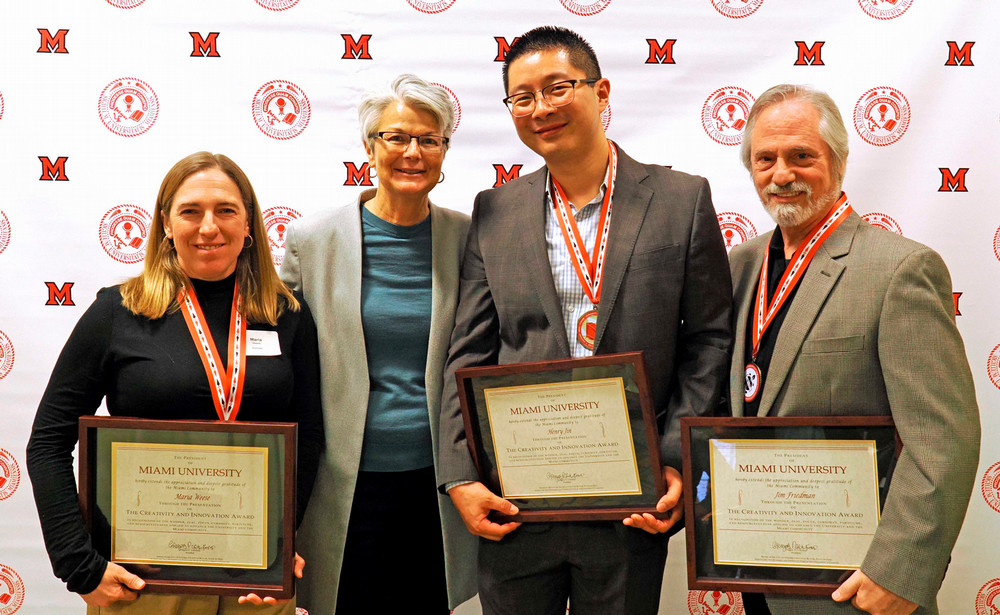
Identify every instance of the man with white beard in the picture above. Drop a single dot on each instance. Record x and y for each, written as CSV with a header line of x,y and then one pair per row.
x,y
836,317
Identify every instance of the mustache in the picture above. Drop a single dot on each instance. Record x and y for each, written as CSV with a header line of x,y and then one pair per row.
x,y
788,189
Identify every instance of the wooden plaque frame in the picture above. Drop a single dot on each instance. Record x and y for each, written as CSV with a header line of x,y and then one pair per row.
x,y
703,572
631,367
98,433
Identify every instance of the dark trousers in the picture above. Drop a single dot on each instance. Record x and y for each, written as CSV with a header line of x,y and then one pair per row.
x,y
602,567
381,553
755,604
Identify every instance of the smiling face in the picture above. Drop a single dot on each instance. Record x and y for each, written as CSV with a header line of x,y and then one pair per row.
x,y
792,166
207,223
557,133
412,171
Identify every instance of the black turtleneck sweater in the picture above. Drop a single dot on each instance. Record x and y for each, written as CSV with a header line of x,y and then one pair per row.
x,y
151,369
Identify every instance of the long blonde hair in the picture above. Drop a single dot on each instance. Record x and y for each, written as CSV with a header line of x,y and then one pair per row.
x,y
153,292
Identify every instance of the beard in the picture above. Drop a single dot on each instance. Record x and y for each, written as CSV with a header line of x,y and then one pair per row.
x,y
791,215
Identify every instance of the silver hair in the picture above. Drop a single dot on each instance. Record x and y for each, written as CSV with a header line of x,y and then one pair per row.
x,y
831,124
412,91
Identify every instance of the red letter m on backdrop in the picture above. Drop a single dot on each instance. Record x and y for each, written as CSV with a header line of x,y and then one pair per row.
x,y
60,296
53,44
661,54
356,49
503,47
357,176
810,56
504,176
54,170
953,182
956,56
204,47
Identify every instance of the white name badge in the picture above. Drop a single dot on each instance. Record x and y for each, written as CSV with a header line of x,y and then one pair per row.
x,y
263,344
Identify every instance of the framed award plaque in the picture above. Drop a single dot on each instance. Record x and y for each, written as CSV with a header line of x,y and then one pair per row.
x,y
783,505
565,440
191,506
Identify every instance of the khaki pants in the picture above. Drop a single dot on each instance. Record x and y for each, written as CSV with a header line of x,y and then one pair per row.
x,y
170,604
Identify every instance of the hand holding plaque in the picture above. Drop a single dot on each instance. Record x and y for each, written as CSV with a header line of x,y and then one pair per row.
x,y
670,504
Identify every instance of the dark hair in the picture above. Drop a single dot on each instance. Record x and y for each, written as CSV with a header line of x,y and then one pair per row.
x,y
581,54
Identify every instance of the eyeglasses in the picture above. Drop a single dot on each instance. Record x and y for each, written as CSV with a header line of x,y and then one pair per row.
x,y
401,141
558,94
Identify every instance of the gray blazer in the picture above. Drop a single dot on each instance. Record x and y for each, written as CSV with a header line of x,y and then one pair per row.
x,y
665,291
871,331
323,260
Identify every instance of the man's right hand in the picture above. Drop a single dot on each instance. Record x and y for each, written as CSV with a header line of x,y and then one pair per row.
x,y
474,502
116,584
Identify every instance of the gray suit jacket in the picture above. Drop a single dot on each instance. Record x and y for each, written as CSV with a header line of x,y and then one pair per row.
x,y
871,331
323,260
665,292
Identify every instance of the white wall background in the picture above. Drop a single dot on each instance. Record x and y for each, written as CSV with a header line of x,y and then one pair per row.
x,y
50,231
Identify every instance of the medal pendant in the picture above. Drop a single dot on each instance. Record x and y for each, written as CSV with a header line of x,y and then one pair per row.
x,y
586,329
751,382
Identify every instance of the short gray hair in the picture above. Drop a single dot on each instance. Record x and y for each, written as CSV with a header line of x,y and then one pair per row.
x,y
412,91
831,124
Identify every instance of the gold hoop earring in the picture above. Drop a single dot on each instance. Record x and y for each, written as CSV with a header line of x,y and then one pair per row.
x,y
441,179
248,245
371,172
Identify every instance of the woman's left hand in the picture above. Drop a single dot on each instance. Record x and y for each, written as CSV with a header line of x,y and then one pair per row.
x,y
269,600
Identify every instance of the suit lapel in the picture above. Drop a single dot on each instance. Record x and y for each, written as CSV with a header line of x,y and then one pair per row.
x,y
345,286
442,276
816,284
527,230
745,283
630,202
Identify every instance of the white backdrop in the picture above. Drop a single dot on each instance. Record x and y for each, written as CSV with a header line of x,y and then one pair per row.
x,y
126,91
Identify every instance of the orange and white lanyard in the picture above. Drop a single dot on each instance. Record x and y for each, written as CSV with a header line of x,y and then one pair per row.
x,y
227,388
588,270
793,275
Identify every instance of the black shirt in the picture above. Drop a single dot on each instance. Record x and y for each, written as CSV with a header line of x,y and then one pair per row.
x,y
151,369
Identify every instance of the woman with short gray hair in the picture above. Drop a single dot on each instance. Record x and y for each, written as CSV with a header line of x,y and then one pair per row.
x,y
381,275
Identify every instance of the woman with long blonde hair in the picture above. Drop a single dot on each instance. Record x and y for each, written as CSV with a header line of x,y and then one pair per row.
x,y
142,348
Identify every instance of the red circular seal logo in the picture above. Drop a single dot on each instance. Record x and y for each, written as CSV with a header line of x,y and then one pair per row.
x,y
431,7
280,109
4,232
6,355
125,4
996,244
883,222
277,5
128,107
715,603
884,9
10,474
736,228
724,114
737,8
276,221
585,9
991,487
993,366
882,116
988,598
455,104
11,590
123,233
606,117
